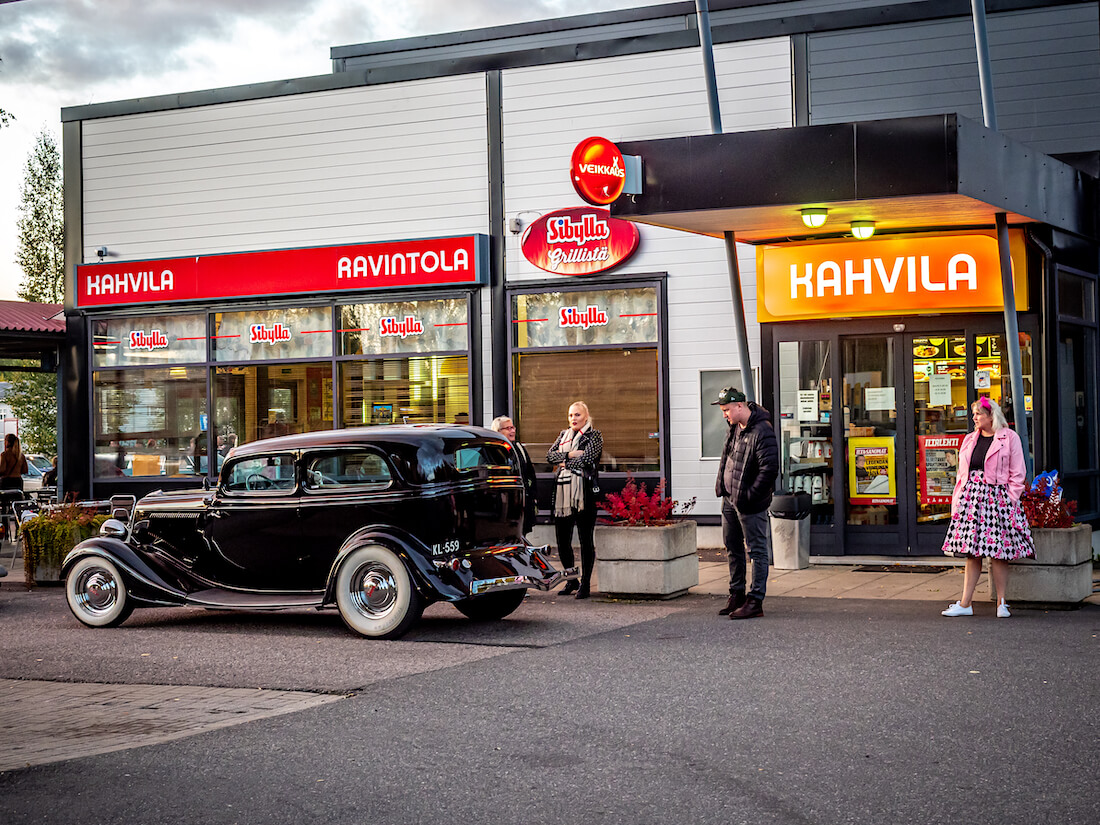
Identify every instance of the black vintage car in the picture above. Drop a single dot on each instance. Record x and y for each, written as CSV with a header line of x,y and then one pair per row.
x,y
376,521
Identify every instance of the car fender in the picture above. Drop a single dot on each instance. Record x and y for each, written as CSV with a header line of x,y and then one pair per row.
x,y
144,583
411,551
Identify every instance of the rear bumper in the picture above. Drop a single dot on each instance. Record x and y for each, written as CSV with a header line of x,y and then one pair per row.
x,y
518,567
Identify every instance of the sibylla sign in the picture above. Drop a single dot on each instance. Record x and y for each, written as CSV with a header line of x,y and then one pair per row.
x,y
388,265
957,272
579,241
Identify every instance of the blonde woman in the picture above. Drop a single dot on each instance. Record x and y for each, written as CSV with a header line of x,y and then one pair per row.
x,y
575,457
986,518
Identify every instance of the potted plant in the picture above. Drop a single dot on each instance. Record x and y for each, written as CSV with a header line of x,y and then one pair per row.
x,y
1061,570
50,535
642,549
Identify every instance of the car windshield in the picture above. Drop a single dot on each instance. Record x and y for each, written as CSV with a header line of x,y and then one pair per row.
x,y
40,461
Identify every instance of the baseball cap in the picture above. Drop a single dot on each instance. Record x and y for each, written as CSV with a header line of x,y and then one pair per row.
x,y
729,395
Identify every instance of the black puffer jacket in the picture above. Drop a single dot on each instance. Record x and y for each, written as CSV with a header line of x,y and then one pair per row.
x,y
750,463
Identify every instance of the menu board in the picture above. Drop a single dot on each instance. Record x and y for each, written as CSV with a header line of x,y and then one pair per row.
x,y
939,464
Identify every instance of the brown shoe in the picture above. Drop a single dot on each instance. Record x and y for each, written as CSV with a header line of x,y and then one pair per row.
x,y
735,601
749,610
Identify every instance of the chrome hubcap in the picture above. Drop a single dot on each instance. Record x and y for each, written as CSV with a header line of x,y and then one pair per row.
x,y
374,590
97,591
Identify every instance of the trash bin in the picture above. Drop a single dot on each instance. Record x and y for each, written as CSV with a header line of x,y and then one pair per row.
x,y
790,520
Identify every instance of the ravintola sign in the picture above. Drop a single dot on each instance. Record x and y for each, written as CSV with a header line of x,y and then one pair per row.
x,y
900,275
579,241
388,265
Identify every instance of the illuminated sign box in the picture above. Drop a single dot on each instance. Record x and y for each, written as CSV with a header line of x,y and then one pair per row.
x,y
894,275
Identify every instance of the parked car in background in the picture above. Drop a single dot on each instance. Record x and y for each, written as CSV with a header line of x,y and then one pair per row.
x,y
42,462
32,479
377,522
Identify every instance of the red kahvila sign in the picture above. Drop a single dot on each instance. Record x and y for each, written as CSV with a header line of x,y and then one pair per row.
x,y
579,241
597,170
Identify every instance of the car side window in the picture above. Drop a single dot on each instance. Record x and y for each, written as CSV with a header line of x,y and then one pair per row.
x,y
261,474
357,469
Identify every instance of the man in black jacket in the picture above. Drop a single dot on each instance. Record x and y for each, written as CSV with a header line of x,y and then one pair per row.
x,y
746,479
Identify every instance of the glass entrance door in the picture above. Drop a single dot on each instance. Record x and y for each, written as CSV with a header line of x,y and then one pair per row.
x,y
875,477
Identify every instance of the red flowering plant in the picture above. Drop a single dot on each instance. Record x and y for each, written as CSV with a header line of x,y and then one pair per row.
x,y
1045,506
636,507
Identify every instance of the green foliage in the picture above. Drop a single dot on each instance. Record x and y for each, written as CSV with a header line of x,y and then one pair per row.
x,y
41,250
51,534
33,399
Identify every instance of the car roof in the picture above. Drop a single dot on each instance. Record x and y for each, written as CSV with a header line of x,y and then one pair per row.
x,y
406,434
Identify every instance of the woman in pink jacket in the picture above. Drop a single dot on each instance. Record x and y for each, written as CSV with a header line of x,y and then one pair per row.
x,y
986,517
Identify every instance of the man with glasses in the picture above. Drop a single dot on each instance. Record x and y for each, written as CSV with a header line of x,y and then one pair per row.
x,y
506,427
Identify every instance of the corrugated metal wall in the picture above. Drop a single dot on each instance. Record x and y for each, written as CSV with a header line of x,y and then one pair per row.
x,y
1044,64
356,165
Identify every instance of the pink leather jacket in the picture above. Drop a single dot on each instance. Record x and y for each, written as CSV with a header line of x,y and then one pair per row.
x,y
1004,463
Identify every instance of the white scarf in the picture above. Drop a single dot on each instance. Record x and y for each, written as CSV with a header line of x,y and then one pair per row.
x,y
570,492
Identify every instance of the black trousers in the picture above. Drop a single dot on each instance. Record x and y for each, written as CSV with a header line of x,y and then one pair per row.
x,y
585,522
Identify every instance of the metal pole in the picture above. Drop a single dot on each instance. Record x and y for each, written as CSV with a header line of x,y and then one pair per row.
x,y
703,13
741,334
1012,339
985,72
739,327
1008,286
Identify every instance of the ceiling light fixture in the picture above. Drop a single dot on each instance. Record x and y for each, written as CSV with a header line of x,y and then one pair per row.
x,y
863,229
814,216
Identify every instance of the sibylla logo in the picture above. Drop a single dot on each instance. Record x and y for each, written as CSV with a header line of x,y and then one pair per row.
x,y
392,327
591,316
154,339
261,334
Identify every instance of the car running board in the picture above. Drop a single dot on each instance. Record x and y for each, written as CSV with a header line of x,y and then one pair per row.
x,y
236,600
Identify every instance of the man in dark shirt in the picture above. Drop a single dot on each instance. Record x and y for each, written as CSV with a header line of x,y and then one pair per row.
x,y
746,480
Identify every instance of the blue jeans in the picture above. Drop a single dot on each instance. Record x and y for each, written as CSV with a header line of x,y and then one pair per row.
x,y
751,532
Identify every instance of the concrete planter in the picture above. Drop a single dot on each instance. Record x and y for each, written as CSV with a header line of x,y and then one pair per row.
x,y
1061,570
647,562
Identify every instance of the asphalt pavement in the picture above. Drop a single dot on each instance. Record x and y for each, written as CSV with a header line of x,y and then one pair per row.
x,y
826,710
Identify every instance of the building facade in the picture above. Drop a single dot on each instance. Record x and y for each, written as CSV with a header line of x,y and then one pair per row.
x,y
350,249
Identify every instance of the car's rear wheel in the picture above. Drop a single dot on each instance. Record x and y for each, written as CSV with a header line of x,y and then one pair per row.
x,y
491,606
96,593
375,593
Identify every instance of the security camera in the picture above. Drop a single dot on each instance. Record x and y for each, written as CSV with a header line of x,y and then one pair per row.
x,y
101,252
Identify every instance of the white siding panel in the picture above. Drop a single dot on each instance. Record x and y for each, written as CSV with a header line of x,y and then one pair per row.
x,y
1045,81
346,166
548,110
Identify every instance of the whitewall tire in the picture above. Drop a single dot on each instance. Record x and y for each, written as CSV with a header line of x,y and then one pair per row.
x,y
376,594
97,594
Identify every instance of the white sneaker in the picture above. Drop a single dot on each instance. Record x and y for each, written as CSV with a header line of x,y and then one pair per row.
x,y
958,610
1002,611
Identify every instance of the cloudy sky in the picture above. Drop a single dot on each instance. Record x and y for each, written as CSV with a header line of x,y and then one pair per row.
x,y
59,53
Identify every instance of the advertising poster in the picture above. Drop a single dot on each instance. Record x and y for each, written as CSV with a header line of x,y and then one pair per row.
x,y
872,471
939,462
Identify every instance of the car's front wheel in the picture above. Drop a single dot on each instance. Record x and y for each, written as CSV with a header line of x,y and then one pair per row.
x,y
491,606
375,593
97,594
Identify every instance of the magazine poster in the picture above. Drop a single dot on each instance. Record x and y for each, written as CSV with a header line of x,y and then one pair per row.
x,y
872,470
939,463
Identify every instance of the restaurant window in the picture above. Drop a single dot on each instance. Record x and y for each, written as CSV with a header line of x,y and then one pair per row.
x,y
264,401
148,422
262,335
413,364
595,346
148,340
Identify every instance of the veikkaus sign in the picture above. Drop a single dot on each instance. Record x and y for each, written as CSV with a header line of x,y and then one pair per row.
x,y
582,240
388,265
597,170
